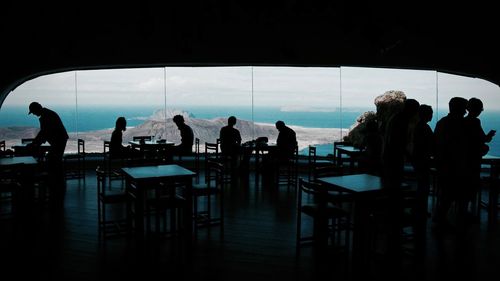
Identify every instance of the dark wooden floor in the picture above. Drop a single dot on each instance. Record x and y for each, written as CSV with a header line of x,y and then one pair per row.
x,y
259,244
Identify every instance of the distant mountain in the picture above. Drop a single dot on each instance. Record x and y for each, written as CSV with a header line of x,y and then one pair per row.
x,y
207,130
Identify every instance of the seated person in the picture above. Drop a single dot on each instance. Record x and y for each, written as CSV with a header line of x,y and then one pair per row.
x,y
187,137
116,149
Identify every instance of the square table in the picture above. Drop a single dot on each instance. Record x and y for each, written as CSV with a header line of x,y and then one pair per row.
x,y
145,176
364,188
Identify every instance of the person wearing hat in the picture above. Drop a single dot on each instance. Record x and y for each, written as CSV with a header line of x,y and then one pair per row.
x,y
52,130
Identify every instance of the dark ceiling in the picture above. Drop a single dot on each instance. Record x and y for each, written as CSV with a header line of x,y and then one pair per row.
x,y
42,38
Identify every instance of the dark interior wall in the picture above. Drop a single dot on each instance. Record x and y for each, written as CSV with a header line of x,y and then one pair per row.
x,y
41,38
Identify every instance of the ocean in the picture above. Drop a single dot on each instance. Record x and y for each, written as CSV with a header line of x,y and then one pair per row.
x,y
100,117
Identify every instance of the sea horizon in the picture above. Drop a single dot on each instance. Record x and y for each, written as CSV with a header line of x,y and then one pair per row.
x,y
94,118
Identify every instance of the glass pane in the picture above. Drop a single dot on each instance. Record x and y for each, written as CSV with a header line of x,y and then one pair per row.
x,y
466,87
54,91
105,95
207,96
306,99
360,87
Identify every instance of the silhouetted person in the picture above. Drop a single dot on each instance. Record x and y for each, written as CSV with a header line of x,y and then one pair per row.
x,y
187,137
450,160
286,142
52,130
230,143
396,140
116,148
423,150
476,148
370,159
230,138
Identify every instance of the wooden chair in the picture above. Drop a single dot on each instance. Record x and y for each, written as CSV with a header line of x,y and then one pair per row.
x,y
313,161
74,164
211,154
165,203
288,169
329,220
112,166
10,187
197,159
107,196
213,188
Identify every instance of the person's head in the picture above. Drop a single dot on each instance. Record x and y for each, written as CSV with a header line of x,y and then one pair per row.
x,y
458,106
425,113
280,125
178,120
231,121
35,108
475,107
411,107
121,124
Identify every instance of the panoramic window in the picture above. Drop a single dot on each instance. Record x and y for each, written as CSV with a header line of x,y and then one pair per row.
x,y
321,104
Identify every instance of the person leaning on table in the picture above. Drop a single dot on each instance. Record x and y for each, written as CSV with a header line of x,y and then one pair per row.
x,y
52,130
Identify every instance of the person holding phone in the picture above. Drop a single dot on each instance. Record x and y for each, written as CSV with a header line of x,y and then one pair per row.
x,y
476,148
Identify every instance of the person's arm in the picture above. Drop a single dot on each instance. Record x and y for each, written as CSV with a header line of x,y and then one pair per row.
x,y
490,135
40,137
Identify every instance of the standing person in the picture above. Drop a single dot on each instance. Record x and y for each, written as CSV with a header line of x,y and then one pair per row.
x,y
394,153
230,138
476,149
52,130
187,137
423,149
286,142
230,142
450,161
421,156
395,144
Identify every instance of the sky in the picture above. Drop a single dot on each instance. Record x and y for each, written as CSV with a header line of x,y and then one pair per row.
x,y
290,88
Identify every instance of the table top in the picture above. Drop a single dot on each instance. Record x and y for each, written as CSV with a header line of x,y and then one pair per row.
x,y
23,145
355,183
16,160
488,158
347,148
138,143
160,171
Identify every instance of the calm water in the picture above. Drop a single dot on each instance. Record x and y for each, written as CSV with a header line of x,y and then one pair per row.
x,y
97,118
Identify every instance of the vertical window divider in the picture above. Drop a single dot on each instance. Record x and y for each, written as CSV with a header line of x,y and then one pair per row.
x,y
76,103
165,98
253,120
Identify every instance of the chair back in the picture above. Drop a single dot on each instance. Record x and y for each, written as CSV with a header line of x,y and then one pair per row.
x,y
2,145
215,174
211,150
105,149
197,159
327,171
315,191
101,181
81,147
